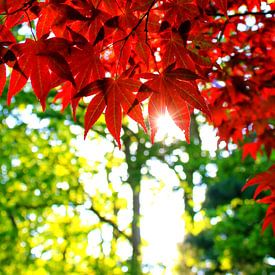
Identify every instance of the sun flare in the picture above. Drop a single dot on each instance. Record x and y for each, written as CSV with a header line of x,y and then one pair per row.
x,y
164,121
167,128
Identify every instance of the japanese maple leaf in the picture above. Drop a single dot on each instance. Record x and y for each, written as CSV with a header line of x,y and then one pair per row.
x,y
116,95
172,90
88,70
251,149
6,38
174,50
265,181
179,10
46,19
42,62
222,4
2,77
20,11
55,16
270,213
92,27
6,57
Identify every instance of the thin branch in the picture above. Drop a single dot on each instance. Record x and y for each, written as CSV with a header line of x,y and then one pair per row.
x,y
25,7
125,39
130,33
12,219
30,24
242,14
237,15
95,211
140,21
111,223
147,42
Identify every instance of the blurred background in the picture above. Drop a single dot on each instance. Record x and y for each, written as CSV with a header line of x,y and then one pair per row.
x,y
70,206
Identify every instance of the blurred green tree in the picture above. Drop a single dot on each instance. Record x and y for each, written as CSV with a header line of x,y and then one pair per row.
x,y
223,235
47,218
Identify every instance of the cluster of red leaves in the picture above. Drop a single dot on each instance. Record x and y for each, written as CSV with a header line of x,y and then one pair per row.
x,y
265,181
242,95
105,49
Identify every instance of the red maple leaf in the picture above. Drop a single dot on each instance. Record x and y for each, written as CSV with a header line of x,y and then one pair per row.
x,y
251,149
20,11
175,50
172,90
2,77
42,62
116,95
222,5
89,69
265,181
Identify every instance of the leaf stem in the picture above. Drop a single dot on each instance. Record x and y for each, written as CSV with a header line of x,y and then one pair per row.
x,y
242,14
30,24
131,32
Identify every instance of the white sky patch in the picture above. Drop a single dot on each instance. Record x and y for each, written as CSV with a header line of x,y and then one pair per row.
x,y
162,226
250,21
209,139
211,170
241,27
25,30
199,196
167,129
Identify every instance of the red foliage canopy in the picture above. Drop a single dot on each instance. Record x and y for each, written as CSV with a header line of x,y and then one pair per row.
x,y
123,52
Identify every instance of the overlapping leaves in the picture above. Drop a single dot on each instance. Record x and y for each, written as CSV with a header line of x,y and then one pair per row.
x,y
116,95
43,63
174,90
92,38
265,182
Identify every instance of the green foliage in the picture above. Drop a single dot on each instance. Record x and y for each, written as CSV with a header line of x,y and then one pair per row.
x,y
229,238
45,225
60,214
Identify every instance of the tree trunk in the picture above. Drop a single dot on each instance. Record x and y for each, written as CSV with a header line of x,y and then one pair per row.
x,y
136,239
134,178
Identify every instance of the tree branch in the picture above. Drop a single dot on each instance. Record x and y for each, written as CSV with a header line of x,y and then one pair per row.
x,y
147,42
242,14
95,211
111,223
237,15
12,219
25,7
133,29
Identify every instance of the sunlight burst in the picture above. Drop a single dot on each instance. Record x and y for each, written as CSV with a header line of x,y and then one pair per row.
x,y
167,129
